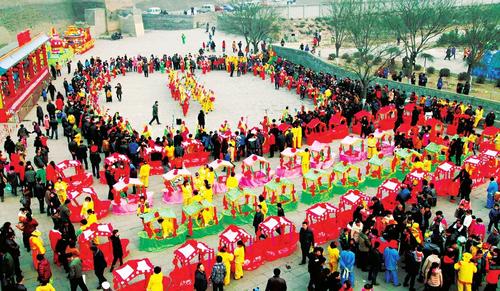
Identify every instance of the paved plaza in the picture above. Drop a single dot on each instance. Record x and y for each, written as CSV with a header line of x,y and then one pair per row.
x,y
246,96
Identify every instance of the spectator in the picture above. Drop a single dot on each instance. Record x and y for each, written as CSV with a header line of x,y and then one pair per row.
x,y
276,283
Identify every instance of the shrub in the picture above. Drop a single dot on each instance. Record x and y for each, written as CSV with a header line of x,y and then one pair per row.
x,y
345,56
444,72
480,79
498,83
332,56
462,76
377,60
430,70
418,67
348,60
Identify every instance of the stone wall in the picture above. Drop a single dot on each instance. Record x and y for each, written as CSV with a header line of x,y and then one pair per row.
x,y
308,60
38,15
167,22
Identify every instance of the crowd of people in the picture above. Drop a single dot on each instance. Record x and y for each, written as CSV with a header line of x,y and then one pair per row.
x,y
463,245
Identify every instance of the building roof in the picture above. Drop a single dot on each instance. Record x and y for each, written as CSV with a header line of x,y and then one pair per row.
x,y
11,54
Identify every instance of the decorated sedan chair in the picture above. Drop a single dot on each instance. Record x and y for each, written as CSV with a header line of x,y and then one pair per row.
x,y
253,254
186,259
316,186
252,177
200,219
239,206
280,190
352,149
98,234
322,219
277,237
289,166
223,170
167,234
173,180
322,156
126,203
79,205
129,276
79,178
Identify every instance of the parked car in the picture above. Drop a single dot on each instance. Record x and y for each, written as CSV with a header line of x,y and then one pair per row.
x,y
206,8
228,8
153,10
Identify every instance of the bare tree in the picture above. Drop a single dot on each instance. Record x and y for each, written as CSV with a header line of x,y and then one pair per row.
x,y
337,21
253,21
363,30
481,33
417,22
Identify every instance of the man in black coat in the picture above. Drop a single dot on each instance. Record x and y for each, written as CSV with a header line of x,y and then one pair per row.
x,y
275,283
316,262
258,218
110,181
95,160
306,238
375,261
51,109
201,119
39,114
117,249
99,265
81,155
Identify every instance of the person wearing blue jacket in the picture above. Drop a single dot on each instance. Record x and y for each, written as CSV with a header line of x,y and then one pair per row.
x,y
492,189
346,265
391,258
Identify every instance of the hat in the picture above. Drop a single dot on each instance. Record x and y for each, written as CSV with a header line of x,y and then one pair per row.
x,y
105,285
93,149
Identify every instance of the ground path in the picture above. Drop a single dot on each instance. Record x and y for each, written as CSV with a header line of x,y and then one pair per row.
x,y
255,97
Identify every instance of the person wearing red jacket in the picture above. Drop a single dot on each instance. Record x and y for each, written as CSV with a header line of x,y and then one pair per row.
x,y
44,270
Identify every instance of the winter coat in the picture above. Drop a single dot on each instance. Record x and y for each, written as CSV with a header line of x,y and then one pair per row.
x,y
391,258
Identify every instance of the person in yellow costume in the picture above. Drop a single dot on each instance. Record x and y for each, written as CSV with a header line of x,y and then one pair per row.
x,y
372,146
36,245
207,192
305,158
427,164
466,270
45,286
478,115
197,181
227,258
263,203
417,164
167,227
207,216
187,193
333,256
60,186
203,172
142,206
146,132
297,136
78,138
497,142
239,259
210,176
169,152
91,217
232,182
144,174
71,119
155,282
87,204
197,198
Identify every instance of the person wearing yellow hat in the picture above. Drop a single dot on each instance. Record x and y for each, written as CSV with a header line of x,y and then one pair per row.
x,y
36,245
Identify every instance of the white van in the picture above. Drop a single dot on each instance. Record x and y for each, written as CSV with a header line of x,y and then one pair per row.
x,y
154,10
206,8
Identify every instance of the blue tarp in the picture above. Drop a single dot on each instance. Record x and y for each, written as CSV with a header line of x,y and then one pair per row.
x,y
489,67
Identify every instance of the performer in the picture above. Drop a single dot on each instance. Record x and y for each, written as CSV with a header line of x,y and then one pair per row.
x,y
144,174
239,259
36,245
227,258
305,161
372,146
